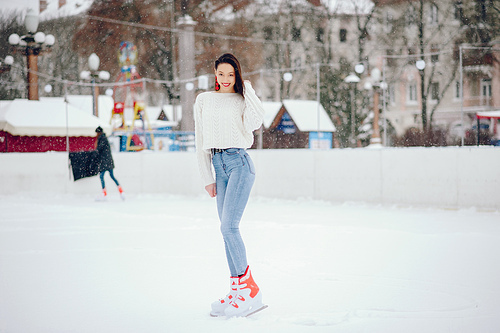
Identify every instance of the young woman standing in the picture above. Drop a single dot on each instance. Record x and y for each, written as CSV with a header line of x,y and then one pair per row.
x,y
224,123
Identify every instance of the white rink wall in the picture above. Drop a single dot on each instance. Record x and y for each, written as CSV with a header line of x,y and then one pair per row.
x,y
438,177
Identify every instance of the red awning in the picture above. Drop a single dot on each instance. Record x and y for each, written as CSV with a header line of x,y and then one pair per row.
x,y
488,114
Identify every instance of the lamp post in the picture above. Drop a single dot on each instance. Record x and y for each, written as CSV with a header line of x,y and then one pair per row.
x,y
420,64
186,45
92,75
352,80
374,82
32,45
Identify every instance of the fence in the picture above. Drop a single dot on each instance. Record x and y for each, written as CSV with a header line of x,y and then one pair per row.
x,y
438,177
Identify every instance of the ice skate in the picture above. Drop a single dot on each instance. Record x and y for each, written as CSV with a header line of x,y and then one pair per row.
x,y
219,306
102,196
122,193
248,299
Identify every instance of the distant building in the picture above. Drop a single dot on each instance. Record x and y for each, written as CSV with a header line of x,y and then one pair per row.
x,y
296,124
446,29
45,125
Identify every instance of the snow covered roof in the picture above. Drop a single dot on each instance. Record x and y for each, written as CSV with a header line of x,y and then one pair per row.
x,y
349,7
227,13
271,109
154,112
269,7
489,114
47,117
303,113
105,104
71,8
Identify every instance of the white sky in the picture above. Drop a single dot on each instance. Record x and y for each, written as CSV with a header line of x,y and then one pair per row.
x,y
19,4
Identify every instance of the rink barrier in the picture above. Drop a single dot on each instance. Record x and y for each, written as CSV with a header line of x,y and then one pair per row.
x,y
440,177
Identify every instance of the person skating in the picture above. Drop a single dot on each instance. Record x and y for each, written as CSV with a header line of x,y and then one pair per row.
x,y
224,123
105,163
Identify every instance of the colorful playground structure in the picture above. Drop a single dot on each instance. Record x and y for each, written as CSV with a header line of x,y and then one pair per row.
x,y
129,118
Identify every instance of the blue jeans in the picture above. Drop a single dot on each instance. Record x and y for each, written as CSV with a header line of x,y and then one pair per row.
x,y
101,175
234,178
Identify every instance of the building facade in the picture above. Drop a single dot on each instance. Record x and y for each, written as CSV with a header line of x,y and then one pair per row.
x,y
457,74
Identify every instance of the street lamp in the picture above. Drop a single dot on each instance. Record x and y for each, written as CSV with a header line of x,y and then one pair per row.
x,y
352,80
420,64
92,75
288,76
359,68
32,45
6,65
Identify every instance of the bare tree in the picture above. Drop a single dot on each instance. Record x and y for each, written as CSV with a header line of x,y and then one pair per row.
x,y
62,61
109,22
423,32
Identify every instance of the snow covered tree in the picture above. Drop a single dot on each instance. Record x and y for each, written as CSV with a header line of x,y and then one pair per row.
x,y
480,20
62,62
11,79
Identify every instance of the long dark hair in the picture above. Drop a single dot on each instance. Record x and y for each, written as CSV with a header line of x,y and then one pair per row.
x,y
228,58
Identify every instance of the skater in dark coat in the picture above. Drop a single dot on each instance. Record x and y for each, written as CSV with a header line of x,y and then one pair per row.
x,y
105,162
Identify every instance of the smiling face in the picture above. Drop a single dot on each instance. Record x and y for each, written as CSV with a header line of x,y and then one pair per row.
x,y
226,77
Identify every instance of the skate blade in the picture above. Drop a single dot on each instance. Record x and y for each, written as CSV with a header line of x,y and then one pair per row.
x,y
252,312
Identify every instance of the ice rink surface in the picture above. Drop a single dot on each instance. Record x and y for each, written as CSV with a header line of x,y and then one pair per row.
x,y
154,263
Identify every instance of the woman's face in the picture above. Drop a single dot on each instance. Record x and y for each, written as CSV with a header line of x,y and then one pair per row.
x,y
226,77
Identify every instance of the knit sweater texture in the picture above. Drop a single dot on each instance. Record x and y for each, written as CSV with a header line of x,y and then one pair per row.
x,y
224,120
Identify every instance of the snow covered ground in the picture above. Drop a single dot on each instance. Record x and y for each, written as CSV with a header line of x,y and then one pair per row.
x,y
154,263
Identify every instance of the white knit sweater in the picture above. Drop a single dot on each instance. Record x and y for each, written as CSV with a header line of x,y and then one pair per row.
x,y
224,120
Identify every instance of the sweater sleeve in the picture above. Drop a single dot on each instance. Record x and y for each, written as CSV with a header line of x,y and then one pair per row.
x,y
253,115
204,157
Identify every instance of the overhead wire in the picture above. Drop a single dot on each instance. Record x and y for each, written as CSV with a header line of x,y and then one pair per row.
x,y
196,33
51,78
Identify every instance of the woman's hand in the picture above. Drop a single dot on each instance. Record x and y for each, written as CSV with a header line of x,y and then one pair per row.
x,y
211,189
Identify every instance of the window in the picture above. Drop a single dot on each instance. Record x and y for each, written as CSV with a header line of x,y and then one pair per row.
x,y
434,51
286,124
268,33
320,33
295,34
433,17
343,35
412,92
434,91
411,16
391,92
391,62
458,10
297,62
388,22
485,91
412,51
269,62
